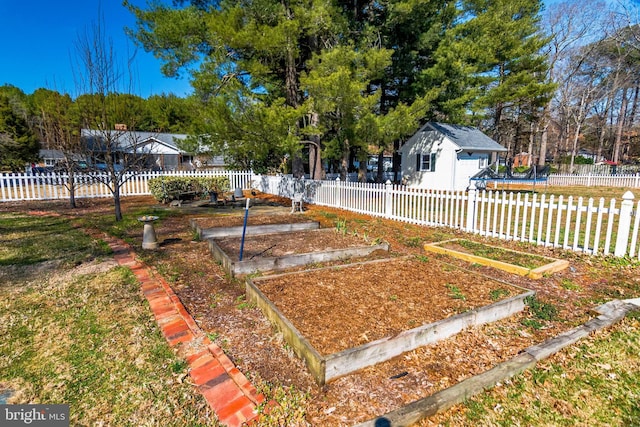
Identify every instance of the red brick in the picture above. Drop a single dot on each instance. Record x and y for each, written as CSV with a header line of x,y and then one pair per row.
x,y
215,350
226,362
234,420
159,308
221,394
152,292
174,323
206,372
180,338
198,359
235,407
167,318
175,328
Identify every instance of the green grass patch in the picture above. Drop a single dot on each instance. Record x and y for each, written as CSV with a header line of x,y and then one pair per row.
x,y
491,252
455,292
27,240
86,339
498,294
569,285
541,309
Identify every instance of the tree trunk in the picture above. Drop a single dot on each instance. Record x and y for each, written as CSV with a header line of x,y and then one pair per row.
x,y
380,171
574,150
315,152
362,172
344,162
531,138
620,126
116,203
397,161
544,135
72,190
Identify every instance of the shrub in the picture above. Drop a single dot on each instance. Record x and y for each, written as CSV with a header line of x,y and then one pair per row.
x,y
167,188
217,184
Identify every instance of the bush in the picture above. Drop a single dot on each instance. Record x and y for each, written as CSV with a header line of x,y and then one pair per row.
x,y
167,188
521,169
217,184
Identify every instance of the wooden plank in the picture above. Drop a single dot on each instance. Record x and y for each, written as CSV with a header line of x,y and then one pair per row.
x,y
444,399
354,359
301,347
536,273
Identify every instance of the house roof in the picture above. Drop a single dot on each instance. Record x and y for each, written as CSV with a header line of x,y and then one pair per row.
x,y
127,139
467,138
51,154
158,143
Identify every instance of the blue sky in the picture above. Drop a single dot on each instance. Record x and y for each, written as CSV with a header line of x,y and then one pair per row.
x,y
37,41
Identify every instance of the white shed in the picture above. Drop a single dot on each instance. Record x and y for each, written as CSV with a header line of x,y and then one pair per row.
x,y
444,157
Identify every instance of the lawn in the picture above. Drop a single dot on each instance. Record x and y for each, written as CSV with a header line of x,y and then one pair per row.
x,y
76,330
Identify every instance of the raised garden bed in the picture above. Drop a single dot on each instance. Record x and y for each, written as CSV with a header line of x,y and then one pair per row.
x,y
522,263
385,318
218,232
280,251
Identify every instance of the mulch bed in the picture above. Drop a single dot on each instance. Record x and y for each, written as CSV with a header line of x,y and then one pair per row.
x,y
341,308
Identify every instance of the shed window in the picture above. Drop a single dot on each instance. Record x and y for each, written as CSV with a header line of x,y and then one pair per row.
x,y
426,162
483,161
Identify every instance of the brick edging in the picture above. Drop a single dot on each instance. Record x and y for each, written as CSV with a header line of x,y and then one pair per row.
x,y
228,392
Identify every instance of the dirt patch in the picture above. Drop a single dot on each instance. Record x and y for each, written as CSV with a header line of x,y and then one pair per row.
x,y
395,296
217,303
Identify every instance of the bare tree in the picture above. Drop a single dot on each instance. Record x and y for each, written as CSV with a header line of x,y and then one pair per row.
x,y
570,25
60,131
109,140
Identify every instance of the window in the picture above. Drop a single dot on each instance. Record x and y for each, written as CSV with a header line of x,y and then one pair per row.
x,y
426,162
484,161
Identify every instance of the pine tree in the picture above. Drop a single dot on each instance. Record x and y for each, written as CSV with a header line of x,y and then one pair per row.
x,y
490,67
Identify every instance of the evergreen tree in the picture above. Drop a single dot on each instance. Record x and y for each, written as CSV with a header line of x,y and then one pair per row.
x,y
490,67
253,57
19,146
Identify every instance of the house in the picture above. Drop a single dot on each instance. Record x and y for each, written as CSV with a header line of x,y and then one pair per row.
x,y
444,157
162,149
50,158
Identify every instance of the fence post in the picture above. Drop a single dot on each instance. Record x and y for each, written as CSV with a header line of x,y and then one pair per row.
x,y
471,209
388,207
624,225
338,201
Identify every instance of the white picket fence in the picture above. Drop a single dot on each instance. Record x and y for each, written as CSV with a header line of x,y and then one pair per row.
x,y
583,225
594,180
16,187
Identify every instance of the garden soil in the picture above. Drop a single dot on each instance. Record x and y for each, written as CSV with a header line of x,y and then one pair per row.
x,y
368,303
